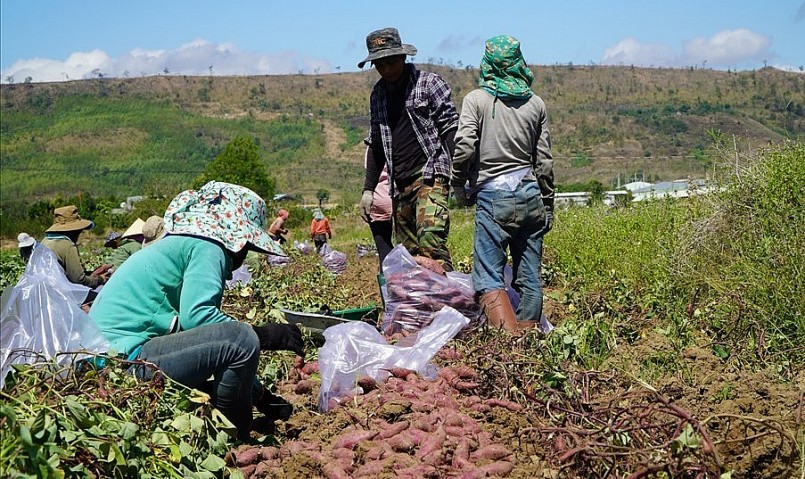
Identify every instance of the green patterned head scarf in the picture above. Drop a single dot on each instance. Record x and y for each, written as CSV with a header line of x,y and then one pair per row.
x,y
504,72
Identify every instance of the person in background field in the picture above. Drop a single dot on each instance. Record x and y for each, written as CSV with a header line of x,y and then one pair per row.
x,y
413,124
163,304
131,241
277,229
26,244
112,240
380,212
153,230
320,229
503,155
62,239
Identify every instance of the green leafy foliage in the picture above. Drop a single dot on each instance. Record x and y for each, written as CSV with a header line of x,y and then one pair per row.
x,y
239,163
82,422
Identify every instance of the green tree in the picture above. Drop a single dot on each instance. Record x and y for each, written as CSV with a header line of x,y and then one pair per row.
x,y
240,163
322,196
597,192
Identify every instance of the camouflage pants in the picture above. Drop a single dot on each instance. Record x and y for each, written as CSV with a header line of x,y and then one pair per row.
x,y
422,220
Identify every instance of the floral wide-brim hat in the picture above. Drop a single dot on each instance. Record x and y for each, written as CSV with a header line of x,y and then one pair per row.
x,y
232,215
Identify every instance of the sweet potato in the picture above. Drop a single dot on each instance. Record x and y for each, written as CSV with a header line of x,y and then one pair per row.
x,y
269,453
392,430
402,442
367,383
343,453
455,431
351,439
247,456
247,471
432,443
377,452
424,424
333,471
461,454
401,373
510,405
498,469
492,452
370,469
311,367
448,354
454,419
473,473
465,372
303,387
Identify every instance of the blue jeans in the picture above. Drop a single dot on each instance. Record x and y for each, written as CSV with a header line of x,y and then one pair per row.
x,y
515,221
229,352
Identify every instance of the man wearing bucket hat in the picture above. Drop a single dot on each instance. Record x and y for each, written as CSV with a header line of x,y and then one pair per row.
x,y
62,239
413,125
503,154
163,304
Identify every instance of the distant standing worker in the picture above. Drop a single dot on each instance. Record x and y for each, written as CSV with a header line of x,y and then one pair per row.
x,y
413,126
320,229
503,140
277,229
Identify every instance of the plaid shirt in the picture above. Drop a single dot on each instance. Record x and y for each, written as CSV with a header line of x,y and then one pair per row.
x,y
432,114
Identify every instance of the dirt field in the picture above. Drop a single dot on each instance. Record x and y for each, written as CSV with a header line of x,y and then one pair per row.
x,y
605,423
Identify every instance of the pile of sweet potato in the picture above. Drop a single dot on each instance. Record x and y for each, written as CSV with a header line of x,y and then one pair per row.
x,y
406,427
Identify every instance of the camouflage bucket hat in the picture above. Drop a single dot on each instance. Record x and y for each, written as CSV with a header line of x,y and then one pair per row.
x,y
383,43
229,214
67,218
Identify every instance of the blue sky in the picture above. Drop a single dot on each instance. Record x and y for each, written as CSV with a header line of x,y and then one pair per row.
x,y
57,40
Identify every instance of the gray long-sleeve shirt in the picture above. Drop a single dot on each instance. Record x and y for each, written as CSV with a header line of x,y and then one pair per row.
x,y
516,136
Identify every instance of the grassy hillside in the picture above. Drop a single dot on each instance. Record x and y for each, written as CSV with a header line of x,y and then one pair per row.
x,y
155,134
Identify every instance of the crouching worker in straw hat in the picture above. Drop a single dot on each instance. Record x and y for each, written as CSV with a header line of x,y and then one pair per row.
x,y
131,241
163,304
503,152
62,239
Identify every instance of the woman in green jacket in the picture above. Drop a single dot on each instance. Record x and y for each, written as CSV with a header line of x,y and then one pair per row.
x,y
163,304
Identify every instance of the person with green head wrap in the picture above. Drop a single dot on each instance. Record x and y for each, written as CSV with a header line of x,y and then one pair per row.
x,y
503,163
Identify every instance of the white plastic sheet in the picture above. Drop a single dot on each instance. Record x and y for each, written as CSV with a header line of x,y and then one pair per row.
x,y
354,350
41,317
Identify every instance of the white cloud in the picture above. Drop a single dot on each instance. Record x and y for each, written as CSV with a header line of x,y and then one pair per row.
x,y
727,48
198,57
632,52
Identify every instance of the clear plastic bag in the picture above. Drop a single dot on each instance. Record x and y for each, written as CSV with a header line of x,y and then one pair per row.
x,y
334,261
240,275
415,294
354,350
304,247
40,317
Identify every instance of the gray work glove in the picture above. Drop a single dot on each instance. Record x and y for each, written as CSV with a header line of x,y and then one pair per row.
x,y
366,205
548,220
462,200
